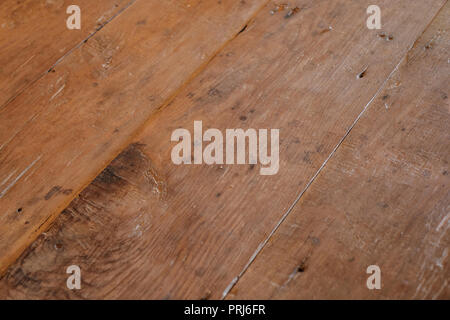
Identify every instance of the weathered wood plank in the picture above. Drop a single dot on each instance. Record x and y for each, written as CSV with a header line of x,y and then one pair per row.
x,y
34,36
383,199
61,132
150,229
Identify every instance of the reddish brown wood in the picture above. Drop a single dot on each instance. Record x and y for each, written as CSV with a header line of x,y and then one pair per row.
x,y
34,36
383,198
58,135
149,229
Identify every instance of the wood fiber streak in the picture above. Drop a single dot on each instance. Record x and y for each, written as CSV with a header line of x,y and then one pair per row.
x,y
34,36
383,199
150,229
59,134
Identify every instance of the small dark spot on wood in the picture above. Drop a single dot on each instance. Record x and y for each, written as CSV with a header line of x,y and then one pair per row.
x,y
141,22
315,241
213,92
243,29
252,166
218,194
382,35
58,246
445,172
306,157
361,74
385,97
390,38
252,110
52,192
383,205
19,210
302,267
292,12
27,222
242,118
444,96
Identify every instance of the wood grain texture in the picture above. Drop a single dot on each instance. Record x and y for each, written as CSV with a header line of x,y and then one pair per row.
x,y
150,229
34,36
61,133
383,199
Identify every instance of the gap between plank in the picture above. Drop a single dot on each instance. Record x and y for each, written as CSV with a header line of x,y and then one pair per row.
x,y
97,29
235,280
141,128
169,100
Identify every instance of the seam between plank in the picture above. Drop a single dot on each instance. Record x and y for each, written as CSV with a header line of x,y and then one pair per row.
x,y
260,247
59,60
51,218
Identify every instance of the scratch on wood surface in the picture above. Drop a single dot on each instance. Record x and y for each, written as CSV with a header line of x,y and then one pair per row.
x,y
57,92
23,64
7,178
444,220
9,186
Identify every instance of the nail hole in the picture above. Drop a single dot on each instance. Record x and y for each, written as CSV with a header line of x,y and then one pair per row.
x,y
243,29
362,74
292,12
19,210
302,266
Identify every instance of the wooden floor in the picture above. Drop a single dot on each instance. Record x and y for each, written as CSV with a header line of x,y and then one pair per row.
x,y
86,176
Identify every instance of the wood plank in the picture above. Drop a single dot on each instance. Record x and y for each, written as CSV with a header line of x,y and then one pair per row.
x,y
59,134
383,199
34,36
147,228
